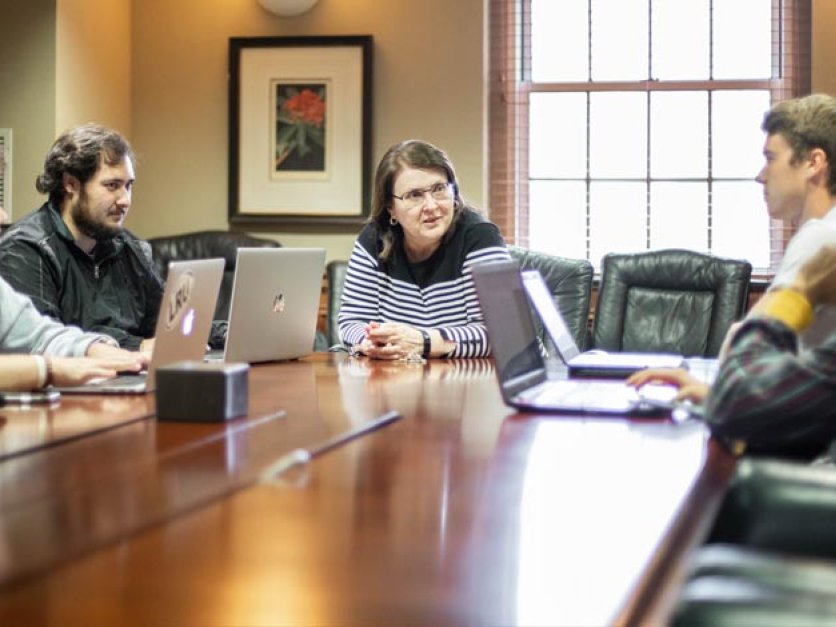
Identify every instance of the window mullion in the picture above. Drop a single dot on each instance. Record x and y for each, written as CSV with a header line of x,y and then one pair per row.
x,y
718,85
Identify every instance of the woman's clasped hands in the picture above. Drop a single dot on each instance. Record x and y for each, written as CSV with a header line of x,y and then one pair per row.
x,y
391,340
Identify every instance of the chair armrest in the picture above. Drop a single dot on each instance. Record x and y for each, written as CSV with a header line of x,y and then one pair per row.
x,y
780,506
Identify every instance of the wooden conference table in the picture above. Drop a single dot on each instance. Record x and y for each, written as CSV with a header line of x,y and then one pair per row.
x,y
462,512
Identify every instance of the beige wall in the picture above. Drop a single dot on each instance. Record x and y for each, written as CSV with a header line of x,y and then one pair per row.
x,y
427,83
93,64
27,92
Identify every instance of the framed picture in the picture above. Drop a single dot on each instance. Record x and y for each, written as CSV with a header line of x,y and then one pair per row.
x,y
300,131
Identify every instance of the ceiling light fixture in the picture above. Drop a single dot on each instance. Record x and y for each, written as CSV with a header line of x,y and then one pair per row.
x,y
287,8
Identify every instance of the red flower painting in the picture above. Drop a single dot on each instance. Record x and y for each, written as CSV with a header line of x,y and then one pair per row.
x,y
300,127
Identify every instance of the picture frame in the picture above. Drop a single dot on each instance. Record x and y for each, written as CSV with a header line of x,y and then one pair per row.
x,y
300,131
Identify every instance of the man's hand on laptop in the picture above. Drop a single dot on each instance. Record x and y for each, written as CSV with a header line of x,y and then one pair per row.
x,y
69,371
136,360
690,388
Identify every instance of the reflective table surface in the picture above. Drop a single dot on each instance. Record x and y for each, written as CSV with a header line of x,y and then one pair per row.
x,y
461,512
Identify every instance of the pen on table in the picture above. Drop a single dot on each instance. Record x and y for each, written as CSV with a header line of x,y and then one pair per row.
x,y
303,456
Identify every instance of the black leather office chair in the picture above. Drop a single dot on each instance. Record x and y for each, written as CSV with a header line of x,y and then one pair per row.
x,y
206,245
771,558
671,300
780,506
570,283
335,279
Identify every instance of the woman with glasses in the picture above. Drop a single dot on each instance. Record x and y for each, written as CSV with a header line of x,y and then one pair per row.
x,y
408,291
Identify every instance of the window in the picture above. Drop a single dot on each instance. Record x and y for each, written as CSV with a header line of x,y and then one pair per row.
x,y
627,125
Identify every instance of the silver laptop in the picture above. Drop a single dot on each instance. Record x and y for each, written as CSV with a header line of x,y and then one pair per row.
x,y
520,365
591,363
275,304
183,324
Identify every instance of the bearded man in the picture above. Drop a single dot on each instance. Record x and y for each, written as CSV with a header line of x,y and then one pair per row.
x,y
73,257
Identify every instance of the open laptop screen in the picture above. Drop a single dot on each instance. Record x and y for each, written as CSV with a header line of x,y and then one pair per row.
x,y
550,315
510,325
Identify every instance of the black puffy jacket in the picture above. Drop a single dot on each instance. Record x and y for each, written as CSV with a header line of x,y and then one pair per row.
x,y
116,291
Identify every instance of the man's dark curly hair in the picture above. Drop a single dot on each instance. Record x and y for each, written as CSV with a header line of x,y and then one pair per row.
x,y
79,152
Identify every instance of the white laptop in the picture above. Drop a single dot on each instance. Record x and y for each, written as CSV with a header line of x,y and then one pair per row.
x,y
275,304
183,324
594,363
520,365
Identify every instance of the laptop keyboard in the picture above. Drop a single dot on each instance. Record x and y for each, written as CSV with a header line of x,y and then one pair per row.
x,y
580,392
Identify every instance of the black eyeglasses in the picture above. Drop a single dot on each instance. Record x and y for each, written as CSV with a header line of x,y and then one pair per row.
x,y
415,197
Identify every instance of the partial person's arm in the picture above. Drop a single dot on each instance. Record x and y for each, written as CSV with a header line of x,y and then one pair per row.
x,y
769,396
33,372
57,349
24,330
766,393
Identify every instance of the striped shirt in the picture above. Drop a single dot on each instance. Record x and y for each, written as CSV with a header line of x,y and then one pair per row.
x,y
775,399
437,293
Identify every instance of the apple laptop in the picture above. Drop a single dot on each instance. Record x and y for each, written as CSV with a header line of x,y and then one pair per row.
x,y
183,324
520,364
591,363
275,304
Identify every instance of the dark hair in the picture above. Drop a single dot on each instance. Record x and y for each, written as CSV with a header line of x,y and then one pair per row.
x,y
806,123
412,153
79,152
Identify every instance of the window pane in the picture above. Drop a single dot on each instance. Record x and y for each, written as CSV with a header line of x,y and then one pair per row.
x,y
618,218
736,137
679,216
618,135
557,218
557,138
559,40
742,39
680,40
619,39
740,223
679,134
